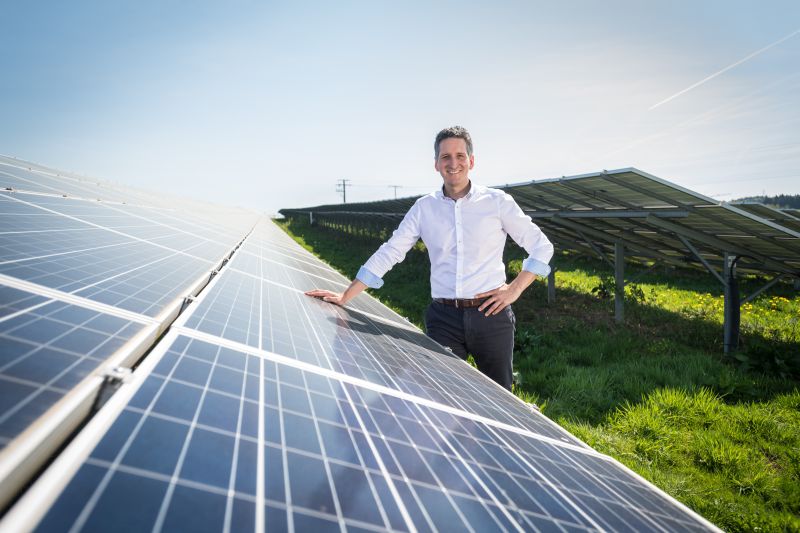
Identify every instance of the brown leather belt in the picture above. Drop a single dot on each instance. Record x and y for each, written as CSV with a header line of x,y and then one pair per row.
x,y
463,302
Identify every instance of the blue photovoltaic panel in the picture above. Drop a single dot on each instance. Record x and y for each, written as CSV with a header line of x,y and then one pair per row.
x,y
148,289
334,454
292,277
26,180
117,223
354,344
132,268
279,265
263,409
71,266
13,301
47,350
193,227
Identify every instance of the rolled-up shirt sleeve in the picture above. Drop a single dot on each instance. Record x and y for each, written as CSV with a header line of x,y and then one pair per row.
x,y
392,251
528,235
368,278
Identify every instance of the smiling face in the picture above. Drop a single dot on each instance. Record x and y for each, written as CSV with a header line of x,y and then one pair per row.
x,y
454,164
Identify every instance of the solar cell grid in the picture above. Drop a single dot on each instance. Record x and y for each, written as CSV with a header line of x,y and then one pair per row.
x,y
231,309
73,270
108,230
411,363
183,223
277,267
134,276
18,217
263,408
15,246
149,289
277,274
247,261
203,249
46,351
333,455
353,344
15,300
86,210
278,256
26,180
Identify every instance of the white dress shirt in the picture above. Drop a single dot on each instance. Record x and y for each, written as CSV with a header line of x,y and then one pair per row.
x,y
465,240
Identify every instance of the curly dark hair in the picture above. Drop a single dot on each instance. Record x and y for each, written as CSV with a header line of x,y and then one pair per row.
x,y
457,132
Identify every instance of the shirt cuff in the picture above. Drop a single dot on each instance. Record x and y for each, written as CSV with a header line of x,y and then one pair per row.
x,y
534,266
369,279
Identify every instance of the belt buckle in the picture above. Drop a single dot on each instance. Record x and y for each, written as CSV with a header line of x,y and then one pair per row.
x,y
456,302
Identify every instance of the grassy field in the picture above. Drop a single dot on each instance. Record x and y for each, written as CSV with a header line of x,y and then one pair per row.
x,y
721,434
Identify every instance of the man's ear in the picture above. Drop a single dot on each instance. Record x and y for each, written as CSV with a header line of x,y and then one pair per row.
x,y
471,161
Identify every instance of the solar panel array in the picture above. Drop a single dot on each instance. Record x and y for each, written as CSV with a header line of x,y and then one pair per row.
x,y
250,406
781,217
651,217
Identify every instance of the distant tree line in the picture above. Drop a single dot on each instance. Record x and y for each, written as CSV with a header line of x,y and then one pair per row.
x,y
781,201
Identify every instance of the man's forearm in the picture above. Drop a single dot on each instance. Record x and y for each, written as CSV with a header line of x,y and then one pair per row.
x,y
355,288
522,281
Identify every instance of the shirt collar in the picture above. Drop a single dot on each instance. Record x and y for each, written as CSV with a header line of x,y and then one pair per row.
x,y
474,188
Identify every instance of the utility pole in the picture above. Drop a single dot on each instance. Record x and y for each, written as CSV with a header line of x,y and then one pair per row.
x,y
342,188
395,187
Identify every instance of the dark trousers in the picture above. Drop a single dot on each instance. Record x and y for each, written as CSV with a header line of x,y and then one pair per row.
x,y
490,340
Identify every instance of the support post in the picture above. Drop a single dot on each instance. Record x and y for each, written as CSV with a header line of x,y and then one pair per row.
x,y
619,282
731,307
551,286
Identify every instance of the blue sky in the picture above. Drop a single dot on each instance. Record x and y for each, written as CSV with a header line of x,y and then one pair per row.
x,y
266,105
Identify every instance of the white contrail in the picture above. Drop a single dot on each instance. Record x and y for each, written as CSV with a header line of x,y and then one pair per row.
x,y
701,82
705,115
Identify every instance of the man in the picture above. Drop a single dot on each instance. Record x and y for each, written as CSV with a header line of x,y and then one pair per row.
x,y
464,227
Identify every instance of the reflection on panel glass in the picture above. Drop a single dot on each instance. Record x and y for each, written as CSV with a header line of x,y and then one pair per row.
x,y
51,243
150,288
265,262
354,344
24,179
45,352
13,301
188,450
135,276
217,439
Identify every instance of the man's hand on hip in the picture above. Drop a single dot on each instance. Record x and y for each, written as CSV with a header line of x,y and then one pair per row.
x,y
506,294
498,299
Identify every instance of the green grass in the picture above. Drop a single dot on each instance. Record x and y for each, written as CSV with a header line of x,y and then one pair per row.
x,y
721,434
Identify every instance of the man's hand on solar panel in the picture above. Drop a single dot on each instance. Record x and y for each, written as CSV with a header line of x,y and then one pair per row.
x,y
506,294
337,298
328,296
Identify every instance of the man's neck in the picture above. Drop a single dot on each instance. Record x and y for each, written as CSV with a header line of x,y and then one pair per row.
x,y
455,194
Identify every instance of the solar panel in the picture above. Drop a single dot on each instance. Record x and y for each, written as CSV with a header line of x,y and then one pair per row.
x,y
85,285
650,216
782,218
259,408
47,349
330,453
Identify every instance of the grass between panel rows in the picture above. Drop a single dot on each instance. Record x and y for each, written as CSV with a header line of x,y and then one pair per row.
x,y
720,434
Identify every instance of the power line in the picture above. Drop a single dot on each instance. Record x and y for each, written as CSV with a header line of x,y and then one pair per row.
x,y
395,187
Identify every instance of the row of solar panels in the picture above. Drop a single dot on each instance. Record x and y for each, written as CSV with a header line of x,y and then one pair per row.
x,y
652,218
162,370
